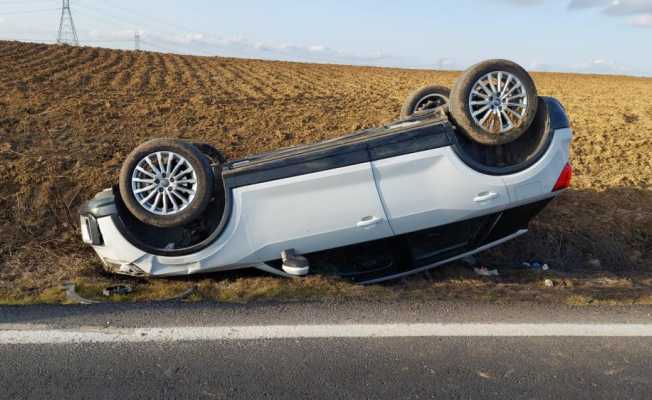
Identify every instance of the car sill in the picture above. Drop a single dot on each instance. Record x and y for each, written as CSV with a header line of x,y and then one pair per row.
x,y
439,263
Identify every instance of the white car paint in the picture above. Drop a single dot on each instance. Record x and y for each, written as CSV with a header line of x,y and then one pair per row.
x,y
444,190
538,180
348,205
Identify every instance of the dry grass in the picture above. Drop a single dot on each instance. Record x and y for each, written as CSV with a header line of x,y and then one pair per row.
x,y
452,283
69,116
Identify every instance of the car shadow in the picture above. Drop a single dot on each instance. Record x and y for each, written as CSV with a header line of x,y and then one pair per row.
x,y
583,231
588,231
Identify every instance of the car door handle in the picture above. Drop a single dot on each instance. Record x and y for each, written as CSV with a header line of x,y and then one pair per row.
x,y
368,222
485,196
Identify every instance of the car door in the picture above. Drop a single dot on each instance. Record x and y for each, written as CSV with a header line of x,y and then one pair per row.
x,y
313,212
435,188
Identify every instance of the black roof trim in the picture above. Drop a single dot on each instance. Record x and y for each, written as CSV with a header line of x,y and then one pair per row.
x,y
403,137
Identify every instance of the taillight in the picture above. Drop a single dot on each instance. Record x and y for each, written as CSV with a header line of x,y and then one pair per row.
x,y
565,177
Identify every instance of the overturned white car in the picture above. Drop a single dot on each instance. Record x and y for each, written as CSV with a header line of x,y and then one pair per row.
x,y
461,172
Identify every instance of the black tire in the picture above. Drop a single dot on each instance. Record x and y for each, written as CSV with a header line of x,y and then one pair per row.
x,y
461,105
425,98
203,187
512,157
215,156
217,159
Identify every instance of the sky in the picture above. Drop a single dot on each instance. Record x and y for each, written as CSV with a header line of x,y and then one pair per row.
x,y
587,36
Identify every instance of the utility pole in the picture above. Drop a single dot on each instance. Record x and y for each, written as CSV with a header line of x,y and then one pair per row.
x,y
67,31
137,41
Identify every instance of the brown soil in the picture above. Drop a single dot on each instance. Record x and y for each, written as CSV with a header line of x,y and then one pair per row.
x,y
69,116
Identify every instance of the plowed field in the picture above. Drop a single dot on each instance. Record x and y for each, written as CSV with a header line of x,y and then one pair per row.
x,y
70,115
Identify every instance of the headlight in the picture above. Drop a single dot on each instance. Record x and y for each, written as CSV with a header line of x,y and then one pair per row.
x,y
90,231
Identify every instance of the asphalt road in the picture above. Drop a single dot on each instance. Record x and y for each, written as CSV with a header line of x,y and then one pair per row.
x,y
440,366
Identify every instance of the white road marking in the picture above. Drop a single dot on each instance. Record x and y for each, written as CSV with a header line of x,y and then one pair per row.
x,y
174,334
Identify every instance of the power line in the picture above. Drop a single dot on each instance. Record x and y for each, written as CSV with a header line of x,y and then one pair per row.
x,y
28,40
67,32
29,11
160,22
22,2
107,41
100,15
106,13
108,17
158,46
82,42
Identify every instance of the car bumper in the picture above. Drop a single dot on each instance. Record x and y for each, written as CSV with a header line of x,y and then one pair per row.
x,y
101,229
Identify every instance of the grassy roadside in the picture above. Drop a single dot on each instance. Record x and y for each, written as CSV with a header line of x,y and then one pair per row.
x,y
451,283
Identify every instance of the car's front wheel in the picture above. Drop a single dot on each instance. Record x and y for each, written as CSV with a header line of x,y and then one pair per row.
x,y
166,183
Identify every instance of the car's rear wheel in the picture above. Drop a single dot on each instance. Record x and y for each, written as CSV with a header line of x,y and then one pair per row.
x,y
494,102
425,98
511,157
166,183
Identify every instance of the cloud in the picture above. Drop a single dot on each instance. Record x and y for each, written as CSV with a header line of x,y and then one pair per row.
x,y
614,7
596,66
317,52
628,7
525,2
238,46
583,4
639,12
98,35
603,66
642,21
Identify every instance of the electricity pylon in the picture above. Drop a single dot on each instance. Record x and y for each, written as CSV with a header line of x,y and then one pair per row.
x,y
137,41
67,31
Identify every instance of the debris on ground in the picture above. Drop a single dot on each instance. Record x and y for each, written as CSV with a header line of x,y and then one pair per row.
x,y
484,271
548,283
117,290
72,295
182,296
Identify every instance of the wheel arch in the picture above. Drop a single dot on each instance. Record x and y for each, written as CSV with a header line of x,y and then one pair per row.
x,y
122,222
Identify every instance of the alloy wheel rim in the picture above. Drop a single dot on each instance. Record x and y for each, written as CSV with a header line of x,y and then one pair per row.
x,y
164,183
430,101
498,102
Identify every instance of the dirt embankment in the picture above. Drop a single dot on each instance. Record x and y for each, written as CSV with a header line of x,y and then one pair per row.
x,y
70,115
